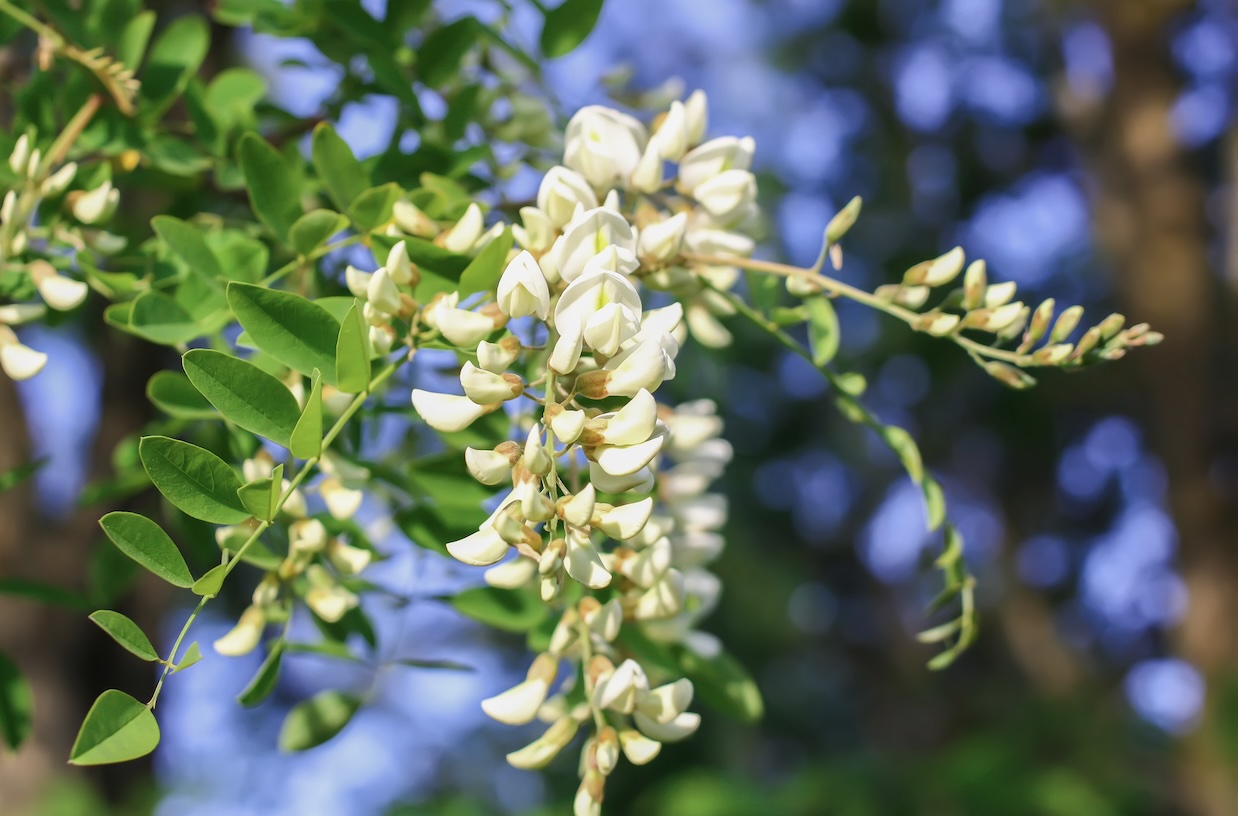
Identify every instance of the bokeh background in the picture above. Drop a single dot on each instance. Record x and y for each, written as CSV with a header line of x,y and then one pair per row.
x,y
1087,149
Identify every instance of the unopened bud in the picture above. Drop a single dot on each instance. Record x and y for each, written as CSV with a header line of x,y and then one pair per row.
x,y
842,223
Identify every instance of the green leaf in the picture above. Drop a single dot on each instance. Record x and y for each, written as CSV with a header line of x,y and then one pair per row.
x,y
209,584
16,704
934,503
317,720
512,610
173,59
295,331
342,175
173,394
567,25
244,393
823,333
373,208
441,53
10,479
192,655
116,729
484,272
133,39
261,495
146,543
723,683
352,352
905,448
306,438
125,632
160,319
195,480
263,683
44,593
189,245
273,191
232,95
313,229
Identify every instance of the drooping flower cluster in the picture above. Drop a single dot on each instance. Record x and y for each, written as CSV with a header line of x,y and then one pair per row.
x,y
592,500
33,181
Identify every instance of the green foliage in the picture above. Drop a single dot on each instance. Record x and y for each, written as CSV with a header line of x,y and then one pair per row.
x,y
196,481
16,704
117,728
292,330
146,543
317,720
567,25
126,633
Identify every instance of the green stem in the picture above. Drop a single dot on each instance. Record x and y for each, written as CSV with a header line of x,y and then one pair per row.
x,y
31,22
60,148
262,527
301,260
837,288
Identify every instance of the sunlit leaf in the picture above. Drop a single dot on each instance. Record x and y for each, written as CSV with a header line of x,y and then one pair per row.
x,y
352,352
272,188
145,541
125,632
244,393
116,729
295,331
197,481
567,25
306,438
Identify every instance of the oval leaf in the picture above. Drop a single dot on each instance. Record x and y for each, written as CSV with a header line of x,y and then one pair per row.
x,y
263,683
188,245
317,720
160,319
295,331
172,393
244,393
146,543
313,229
341,173
823,333
352,352
484,272
116,729
272,188
567,25
125,632
306,441
210,583
196,481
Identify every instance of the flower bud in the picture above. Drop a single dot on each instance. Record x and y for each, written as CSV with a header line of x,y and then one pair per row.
x,y
489,466
541,751
583,563
536,460
624,460
645,367
673,137
331,603
461,327
382,338
511,574
382,294
567,425
342,503
638,748
647,177
446,412
58,182
307,536
347,559
96,205
20,155
522,289
625,521
357,281
60,292
663,240
1066,323
496,357
842,223
412,220
679,728
975,282
561,191
696,115
485,387
466,232
14,314
398,266
519,704
607,752
577,510
536,233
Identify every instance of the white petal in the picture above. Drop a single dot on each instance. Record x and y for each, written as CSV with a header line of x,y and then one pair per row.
x,y
679,728
624,460
481,549
461,327
519,704
626,521
584,564
62,293
446,412
634,422
511,574
485,387
638,748
568,426
245,636
578,510
21,362
666,702
381,292
487,466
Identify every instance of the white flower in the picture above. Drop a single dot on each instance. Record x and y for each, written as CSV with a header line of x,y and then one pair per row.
x,y
712,158
727,193
60,292
696,113
536,233
485,387
519,704
610,327
382,294
578,510
398,264
358,281
624,460
648,176
497,357
412,220
522,289
650,564
577,305
587,235
20,155
18,361
330,603
568,425
14,314
625,521
481,549
347,559
582,561
663,240
643,365
604,146
382,338
58,182
541,751
618,690
97,204
673,136
631,424
511,574
712,241
487,466
638,748
307,536
460,326
342,502
466,232
446,412
245,636
640,482
561,192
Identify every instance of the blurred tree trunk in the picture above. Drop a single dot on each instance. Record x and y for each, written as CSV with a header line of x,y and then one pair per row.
x,y
1149,209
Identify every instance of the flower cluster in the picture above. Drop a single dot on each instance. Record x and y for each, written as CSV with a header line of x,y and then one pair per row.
x,y
34,181
607,487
